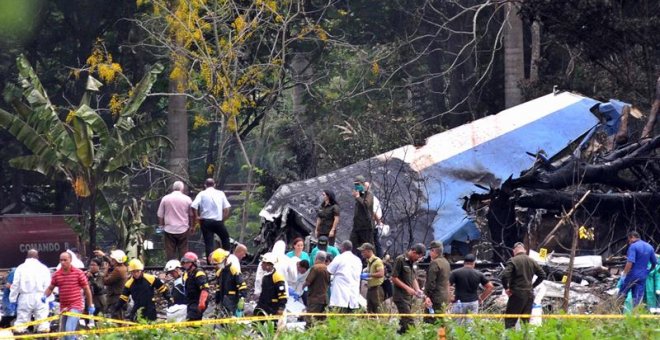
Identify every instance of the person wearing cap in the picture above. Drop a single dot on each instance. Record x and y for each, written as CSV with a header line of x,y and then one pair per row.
x,y
375,276
176,217
273,297
317,283
173,269
114,279
211,208
436,287
405,283
323,245
466,281
231,286
517,283
363,222
327,218
95,278
345,270
196,286
142,287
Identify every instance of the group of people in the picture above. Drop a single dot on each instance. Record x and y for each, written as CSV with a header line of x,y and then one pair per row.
x,y
327,278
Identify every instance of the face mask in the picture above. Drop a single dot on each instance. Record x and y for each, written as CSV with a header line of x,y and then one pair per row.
x,y
359,187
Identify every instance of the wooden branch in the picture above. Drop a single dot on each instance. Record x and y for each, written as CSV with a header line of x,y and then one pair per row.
x,y
557,200
650,123
621,136
563,220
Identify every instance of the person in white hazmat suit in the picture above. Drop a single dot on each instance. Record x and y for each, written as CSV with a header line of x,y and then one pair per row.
x,y
285,265
30,282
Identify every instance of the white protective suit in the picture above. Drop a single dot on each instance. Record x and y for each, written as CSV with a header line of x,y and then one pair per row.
x,y
285,266
30,282
345,287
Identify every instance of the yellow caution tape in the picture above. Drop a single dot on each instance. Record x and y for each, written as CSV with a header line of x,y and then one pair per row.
x,y
132,327
32,323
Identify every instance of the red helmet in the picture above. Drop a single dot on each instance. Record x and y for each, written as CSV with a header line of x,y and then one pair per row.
x,y
189,257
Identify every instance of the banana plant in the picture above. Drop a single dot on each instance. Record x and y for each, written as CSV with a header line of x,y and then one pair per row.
x,y
83,148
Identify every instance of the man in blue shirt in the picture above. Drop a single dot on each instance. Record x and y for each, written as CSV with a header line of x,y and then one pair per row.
x,y
637,268
323,245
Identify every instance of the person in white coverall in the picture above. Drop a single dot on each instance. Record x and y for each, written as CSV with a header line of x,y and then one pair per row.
x,y
30,282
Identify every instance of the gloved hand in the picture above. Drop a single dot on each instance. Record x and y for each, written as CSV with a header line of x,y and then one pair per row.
x,y
291,291
91,309
364,276
43,299
51,305
620,283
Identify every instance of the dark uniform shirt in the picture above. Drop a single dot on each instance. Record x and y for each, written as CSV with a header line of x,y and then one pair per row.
x,y
142,291
230,283
317,283
273,293
403,269
326,216
466,281
363,214
518,273
179,292
98,292
194,283
436,286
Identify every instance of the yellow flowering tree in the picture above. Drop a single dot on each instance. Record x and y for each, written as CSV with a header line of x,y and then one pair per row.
x,y
230,57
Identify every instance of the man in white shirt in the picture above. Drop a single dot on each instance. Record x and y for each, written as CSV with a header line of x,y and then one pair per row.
x,y
30,282
345,287
211,208
176,217
240,251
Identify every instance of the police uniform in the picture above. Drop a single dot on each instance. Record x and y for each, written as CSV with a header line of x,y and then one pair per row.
x,y
404,270
194,282
231,288
142,291
273,294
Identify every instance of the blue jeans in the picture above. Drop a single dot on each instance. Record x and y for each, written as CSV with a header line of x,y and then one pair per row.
x,y
70,324
465,308
636,285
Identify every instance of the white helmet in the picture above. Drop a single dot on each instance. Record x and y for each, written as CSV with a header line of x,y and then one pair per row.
x,y
118,255
172,265
269,257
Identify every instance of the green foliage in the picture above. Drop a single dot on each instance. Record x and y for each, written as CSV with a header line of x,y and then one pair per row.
x,y
367,329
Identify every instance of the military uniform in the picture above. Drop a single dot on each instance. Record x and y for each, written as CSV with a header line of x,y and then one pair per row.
x,y
517,276
142,291
403,270
231,288
273,294
194,282
363,225
375,294
436,286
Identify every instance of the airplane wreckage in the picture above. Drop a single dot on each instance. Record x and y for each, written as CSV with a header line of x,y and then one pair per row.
x,y
504,178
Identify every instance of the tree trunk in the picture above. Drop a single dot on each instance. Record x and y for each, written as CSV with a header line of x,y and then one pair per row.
x,y
513,56
536,52
177,127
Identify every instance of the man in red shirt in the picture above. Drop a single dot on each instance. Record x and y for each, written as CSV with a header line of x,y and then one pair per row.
x,y
70,280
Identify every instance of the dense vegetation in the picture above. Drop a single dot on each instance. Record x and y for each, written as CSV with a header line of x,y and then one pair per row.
x,y
267,92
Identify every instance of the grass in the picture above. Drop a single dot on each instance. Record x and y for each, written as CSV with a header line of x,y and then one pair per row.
x,y
381,329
